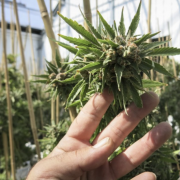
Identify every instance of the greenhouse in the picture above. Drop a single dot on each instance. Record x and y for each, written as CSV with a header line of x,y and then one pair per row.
x,y
90,89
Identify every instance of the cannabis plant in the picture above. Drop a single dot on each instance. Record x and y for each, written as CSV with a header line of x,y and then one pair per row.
x,y
111,57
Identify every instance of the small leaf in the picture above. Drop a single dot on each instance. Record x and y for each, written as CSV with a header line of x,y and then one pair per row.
x,y
125,93
58,60
146,65
157,67
80,29
115,28
109,42
76,41
73,79
83,91
144,38
121,28
107,26
93,30
92,50
150,84
166,51
91,66
44,76
153,45
68,47
75,91
136,84
119,72
134,24
40,81
52,67
135,96
104,74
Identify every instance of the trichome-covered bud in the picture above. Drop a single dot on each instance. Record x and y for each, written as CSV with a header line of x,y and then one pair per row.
x,y
61,76
52,76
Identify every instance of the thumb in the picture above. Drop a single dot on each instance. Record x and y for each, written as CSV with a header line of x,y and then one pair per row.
x,y
71,165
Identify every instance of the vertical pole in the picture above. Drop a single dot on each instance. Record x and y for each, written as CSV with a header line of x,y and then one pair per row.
x,y
57,99
9,106
32,48
12,30
6,154
173,61
87,12
96,14
28,93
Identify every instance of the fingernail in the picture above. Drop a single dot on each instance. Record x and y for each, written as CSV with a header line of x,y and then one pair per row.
x,y
155,176
102,142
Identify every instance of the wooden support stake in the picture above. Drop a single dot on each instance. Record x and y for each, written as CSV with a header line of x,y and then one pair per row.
x,y
9,106
6,153
27,86
48,28
12,31
87,12
173,61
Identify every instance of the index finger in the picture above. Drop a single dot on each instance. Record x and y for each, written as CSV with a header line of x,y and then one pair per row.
x,y
90,116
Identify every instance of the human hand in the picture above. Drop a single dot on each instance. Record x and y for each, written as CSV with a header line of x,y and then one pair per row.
x,y
74,158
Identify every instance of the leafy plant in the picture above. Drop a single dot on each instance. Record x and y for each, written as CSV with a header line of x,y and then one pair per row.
x,y
113,58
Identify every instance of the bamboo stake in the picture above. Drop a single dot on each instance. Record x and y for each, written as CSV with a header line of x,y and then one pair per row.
x,y
96,14
173,61
32,49
87,12
57,99
12,30
10,125
48,27
28,93
6,154
35,69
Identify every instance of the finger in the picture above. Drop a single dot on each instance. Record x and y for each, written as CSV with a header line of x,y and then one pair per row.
x,y
141,150
145,176
123,124
88,119
72,165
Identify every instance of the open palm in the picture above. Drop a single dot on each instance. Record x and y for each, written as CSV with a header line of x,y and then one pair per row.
x,y
76,158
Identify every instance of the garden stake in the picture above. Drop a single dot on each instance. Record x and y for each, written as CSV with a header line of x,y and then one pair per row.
x,y
9,107
6,153
27,86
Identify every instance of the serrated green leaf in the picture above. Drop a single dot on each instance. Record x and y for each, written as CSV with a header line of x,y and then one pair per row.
x,y
157,67
77,103
49,70
104,75
134,24
147,72
58,60
136,84
52,67
73,79
75,91
83,91
109,42
91,27
119,72
125,93
122,28
91,66
153,45
44,76
150,84
96,51
146,65
115,28
107,26
80,29
166,51
135,96
144,38
137,76
77,41
68,47
40,81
